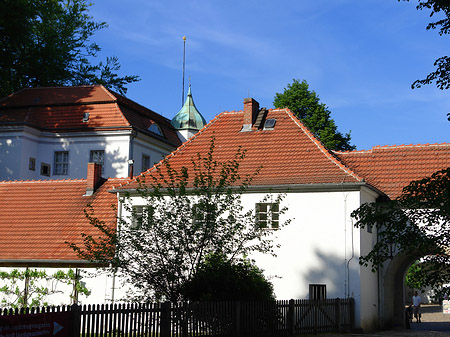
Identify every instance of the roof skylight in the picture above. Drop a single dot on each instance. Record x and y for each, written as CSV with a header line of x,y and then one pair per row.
x,y
269,124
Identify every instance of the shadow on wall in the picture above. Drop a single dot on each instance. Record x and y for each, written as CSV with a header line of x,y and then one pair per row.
x,y
9,159
333,271
116,163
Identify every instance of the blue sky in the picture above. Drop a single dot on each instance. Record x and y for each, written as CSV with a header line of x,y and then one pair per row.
x,y
360,57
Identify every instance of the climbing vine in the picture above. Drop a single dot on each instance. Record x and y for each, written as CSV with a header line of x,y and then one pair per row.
x,y
21,288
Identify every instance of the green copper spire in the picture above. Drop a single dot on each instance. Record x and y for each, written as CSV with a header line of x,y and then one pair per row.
x,y
188,117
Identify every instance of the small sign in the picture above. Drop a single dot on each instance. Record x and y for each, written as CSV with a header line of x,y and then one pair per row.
x,y
56,324
446,306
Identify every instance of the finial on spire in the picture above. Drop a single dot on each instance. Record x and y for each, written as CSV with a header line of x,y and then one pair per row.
x,y
184,62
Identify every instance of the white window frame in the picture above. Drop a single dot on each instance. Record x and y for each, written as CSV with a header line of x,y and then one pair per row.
x,y
61,164
138,215
101,162
267,215
145,165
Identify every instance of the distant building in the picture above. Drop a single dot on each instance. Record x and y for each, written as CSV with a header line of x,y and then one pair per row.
x,y
53,132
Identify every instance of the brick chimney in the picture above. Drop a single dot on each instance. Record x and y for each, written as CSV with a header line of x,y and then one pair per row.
x,y
251,109
94,178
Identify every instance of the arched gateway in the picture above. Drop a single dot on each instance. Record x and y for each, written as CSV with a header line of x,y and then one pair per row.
x,y
392,291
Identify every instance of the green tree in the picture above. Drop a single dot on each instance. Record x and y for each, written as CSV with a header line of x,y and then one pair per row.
x,y
186,215
442,73
47,43
306,105
414,277
417,224
220,279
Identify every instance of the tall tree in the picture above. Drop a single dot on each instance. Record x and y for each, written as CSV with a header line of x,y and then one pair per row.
x,y
186,216
306,105
47,43
442,73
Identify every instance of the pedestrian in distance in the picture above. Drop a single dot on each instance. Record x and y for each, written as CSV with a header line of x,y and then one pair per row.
x,y
416,306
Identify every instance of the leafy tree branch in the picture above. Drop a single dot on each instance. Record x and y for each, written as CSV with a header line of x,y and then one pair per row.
x,y
182,217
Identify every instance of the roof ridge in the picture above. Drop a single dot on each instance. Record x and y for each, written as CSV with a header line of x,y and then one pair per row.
x,y
328,153
116,104
395,146
108,92
26,181
139,108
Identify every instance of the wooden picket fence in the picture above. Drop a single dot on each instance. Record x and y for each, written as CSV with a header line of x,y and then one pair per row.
x,y
249,319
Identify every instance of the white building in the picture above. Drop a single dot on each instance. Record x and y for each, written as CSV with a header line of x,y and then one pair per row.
x,y
319,249
52,133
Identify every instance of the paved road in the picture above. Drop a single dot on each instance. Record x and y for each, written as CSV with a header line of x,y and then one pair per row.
x,y
434,324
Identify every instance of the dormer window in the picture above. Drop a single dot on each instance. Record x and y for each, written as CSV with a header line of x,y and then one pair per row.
x,y
86,117
155,129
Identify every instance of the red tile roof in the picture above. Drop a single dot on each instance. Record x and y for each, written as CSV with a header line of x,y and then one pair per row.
x,y
38,217
288,154
57,109
390,168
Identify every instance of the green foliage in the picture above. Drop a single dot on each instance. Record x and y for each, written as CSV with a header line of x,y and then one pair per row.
x,y
417,223
47,43
305,104
219,279
31,287
186,216
415,278
102,248
442,73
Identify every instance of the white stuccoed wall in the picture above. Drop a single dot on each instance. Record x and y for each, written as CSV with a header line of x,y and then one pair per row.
x,y
17,147
319,246
370,303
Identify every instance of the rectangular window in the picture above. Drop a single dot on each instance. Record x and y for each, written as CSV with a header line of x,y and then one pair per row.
x,y
98,156
45,169
317,292
140,214
204,213
145,162
268,215
61,164
32,164
369,229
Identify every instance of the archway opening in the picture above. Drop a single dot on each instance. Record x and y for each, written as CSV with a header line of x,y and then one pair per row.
x,y
393,290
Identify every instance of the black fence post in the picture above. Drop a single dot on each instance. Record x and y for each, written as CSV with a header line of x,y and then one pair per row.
x,y
237,319
165,319
316,304
291,318
338,315
76,320
352,314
